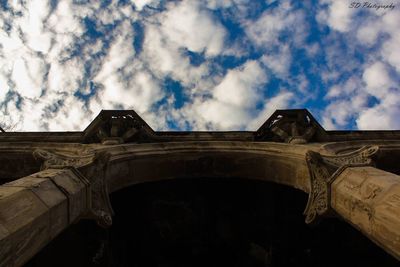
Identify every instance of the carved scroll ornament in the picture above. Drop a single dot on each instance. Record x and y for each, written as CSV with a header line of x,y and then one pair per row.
x,y
323,171
100,206
56,160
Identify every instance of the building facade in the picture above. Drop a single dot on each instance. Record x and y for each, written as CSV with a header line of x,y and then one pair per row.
x,y
52,180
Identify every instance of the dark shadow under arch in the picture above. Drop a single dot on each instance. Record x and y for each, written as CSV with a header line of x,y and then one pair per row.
x,y
208,221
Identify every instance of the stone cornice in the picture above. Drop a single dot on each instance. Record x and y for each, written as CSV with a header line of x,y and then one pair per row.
x,y
110,127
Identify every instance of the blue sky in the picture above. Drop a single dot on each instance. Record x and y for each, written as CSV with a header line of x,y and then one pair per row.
x,y
199,65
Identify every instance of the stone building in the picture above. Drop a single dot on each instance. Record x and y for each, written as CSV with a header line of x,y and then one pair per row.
x,y
120,194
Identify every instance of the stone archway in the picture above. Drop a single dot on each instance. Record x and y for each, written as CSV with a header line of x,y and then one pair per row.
x,y
118,150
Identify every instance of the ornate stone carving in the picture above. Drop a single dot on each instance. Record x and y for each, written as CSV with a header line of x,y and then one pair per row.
x,y
358,157
116,127
56,160
323,170
290,126
318,198
100,207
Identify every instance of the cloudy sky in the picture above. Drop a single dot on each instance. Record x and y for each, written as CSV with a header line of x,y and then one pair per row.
x,y
199,65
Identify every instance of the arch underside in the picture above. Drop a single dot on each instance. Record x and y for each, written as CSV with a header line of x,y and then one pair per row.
x,y
102,170
126,169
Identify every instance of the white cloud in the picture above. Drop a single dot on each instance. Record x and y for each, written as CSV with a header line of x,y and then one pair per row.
x,y
72,115
112,13
140,4
339,112
350,101
123,80
120,53
58,81
233,99
302,84
167,59
338,15
11,47
162,57
4,88
36,63
65,19
140,92
192,27
46,58
377,80
264,31
222,115
387,25
214,4
32,25
278,61
47,81
391,52
242,86
383,116
368,33
345,89
347,99
376,31
28,77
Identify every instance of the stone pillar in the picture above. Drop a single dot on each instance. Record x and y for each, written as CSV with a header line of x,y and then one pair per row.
x,y
36,208
348,186
369,199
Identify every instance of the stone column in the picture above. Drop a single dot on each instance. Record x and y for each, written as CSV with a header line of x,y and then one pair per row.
x,y
36,208
348,186
369,199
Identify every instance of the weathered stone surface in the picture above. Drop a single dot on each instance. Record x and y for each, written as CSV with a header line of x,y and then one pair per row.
x,y
25,217
280,163
34,210
324,170
54,199
75,188
57,203
369,199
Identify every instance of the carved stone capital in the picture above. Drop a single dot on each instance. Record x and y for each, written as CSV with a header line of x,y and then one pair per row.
x,y
100,207
323,171
57,160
